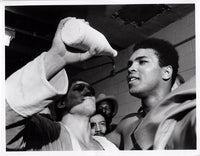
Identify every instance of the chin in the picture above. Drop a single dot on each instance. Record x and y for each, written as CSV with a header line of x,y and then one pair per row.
x,y
135,93
90,103
90,108
87,109
132,91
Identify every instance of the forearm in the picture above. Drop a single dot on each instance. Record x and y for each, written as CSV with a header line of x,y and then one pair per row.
x,y
54,60
52,64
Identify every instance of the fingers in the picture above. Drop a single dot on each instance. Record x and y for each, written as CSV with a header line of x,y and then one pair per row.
x,y
91,53
85,56
76,57
83,20
103,52
110,52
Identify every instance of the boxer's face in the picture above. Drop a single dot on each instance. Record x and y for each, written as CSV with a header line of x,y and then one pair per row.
x,y
144,73
80,93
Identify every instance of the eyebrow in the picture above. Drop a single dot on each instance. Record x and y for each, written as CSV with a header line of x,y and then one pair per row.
x,y
137,58
141,57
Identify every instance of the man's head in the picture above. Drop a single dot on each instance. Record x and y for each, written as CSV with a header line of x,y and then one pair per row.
x,y
80,99
98,125
154,62
106,105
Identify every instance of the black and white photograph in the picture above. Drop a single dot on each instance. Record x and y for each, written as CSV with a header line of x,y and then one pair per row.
x,y
101,77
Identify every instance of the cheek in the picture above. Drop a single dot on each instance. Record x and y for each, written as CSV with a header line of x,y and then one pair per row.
x,y
103,129
151,73
148,70
152,79
74,99
93,131
108,112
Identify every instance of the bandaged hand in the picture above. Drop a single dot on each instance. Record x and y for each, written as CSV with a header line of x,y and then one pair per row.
x,y
78,34
59,49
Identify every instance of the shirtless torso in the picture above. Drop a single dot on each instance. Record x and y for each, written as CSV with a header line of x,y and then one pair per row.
x,y
122,136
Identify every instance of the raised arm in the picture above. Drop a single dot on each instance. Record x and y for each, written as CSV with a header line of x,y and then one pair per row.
x,y
59,53
41,79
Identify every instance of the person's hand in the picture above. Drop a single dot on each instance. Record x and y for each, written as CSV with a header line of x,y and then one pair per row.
x,y
58,47
58,55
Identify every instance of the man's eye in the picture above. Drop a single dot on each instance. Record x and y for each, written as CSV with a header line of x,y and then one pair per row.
x,y
129,64
79,87
143,61
103,123
92,125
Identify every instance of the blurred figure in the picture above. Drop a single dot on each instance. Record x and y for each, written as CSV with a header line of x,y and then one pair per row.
x,y
179,80
98,125
108,106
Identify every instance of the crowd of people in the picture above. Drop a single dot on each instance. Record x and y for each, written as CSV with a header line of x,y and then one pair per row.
x,y
45,112
106,109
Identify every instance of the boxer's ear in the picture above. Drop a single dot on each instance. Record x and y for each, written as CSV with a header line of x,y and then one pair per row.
x,y
167,72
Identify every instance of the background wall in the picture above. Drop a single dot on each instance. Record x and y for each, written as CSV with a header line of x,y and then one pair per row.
x,y
181,30
177,32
